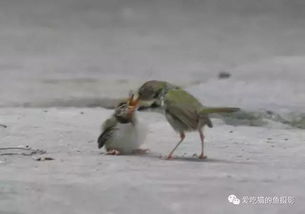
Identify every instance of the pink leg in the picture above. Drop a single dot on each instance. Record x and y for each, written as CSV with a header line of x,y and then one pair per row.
x,y
182,136
202,156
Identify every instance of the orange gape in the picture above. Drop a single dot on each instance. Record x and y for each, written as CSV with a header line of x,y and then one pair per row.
x,y
132,104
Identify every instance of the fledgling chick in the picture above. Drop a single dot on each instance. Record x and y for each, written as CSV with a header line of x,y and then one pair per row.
x,y
122,133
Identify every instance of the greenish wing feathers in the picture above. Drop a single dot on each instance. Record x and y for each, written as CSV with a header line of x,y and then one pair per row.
x,y
108,128
187,109
186,118
183,106
210,110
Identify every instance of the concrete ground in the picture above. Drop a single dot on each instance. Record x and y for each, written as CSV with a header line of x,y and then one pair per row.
x,y
61,61
244,161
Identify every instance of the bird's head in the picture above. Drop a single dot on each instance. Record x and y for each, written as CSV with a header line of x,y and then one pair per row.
x,y
151,93
151,90
124,112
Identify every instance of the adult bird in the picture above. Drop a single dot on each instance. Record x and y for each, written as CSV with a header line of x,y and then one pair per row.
x,y
182,110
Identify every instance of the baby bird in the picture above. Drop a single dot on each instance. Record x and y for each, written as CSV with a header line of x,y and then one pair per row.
x,y
122,133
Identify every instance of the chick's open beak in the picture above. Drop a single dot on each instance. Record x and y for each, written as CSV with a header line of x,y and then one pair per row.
x,y
133,104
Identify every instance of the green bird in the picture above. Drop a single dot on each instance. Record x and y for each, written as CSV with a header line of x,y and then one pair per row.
x,y
182,110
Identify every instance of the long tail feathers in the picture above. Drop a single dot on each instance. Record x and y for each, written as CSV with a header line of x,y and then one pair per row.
x,y
210,110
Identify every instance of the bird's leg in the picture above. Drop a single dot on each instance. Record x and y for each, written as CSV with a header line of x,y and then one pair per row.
x,y
202,156
112,152
182,136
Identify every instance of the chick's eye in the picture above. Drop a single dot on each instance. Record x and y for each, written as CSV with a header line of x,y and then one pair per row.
x,y
121,104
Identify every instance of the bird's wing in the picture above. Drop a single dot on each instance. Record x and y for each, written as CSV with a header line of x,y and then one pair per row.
x,y
183,107
209,110
108,128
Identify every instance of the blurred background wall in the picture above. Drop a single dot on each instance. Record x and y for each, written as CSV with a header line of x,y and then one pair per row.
x,y
58,51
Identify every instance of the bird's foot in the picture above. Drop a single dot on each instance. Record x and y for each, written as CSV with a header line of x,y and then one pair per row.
x,y
202,157
113,152
169,157
140,151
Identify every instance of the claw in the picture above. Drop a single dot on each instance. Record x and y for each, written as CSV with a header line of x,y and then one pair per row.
x,y
113,152
202,157
169,157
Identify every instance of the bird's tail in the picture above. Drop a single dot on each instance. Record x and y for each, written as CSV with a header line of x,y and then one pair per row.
x,y
210,110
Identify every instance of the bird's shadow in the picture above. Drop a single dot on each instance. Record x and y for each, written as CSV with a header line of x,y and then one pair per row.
x,y
191,159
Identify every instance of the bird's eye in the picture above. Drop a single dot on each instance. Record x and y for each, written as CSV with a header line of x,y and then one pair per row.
x,y
122,105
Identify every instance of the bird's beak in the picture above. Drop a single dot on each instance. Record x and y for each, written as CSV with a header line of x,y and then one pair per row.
x,y
134,101
133,104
